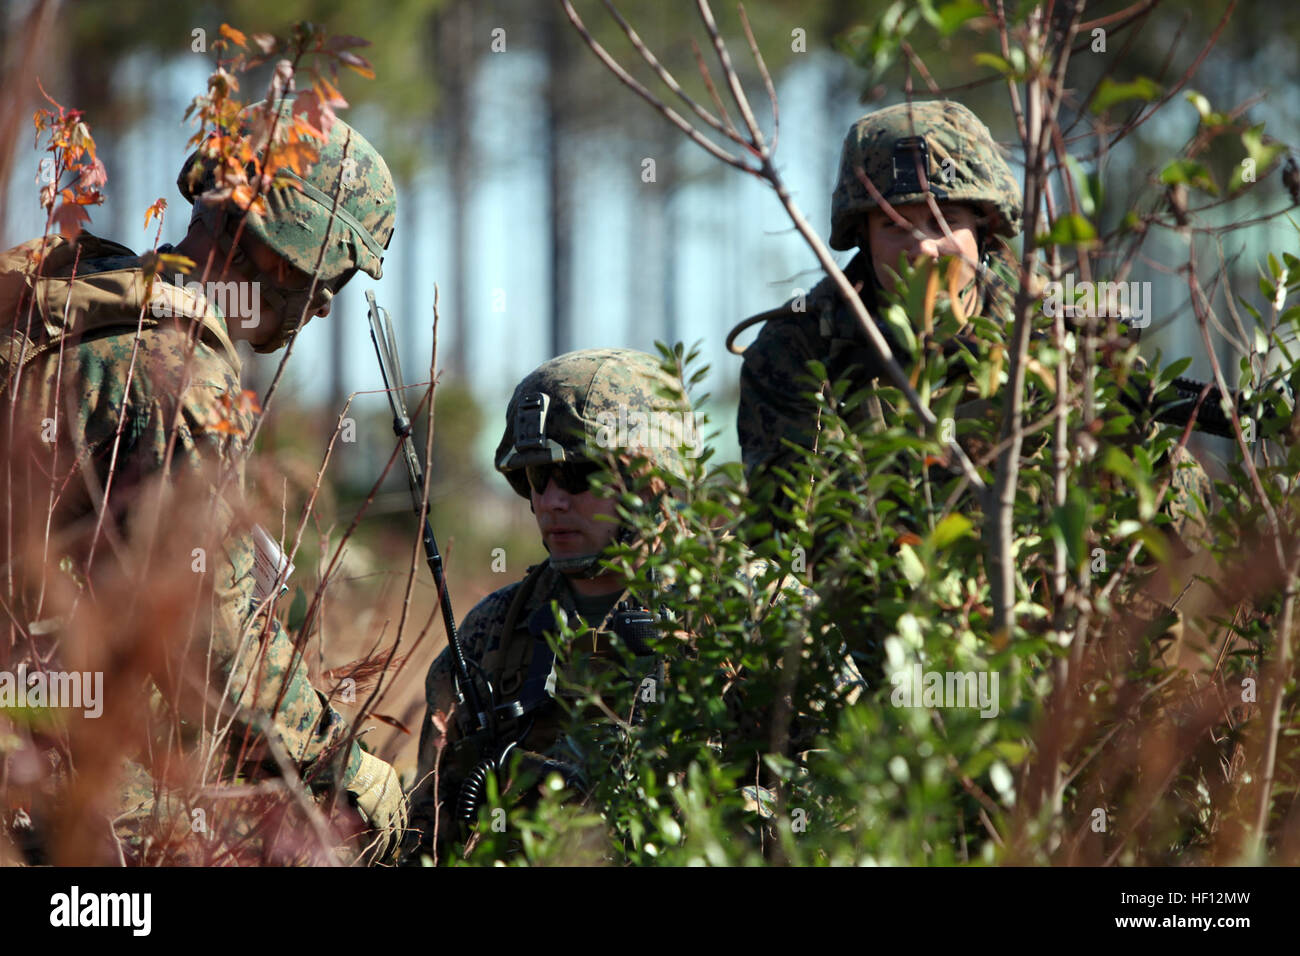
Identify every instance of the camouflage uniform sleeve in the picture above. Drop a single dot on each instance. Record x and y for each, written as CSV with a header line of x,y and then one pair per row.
x,y
263,666
255,666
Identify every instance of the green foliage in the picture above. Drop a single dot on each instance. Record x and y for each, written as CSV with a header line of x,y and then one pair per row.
x,y
762,746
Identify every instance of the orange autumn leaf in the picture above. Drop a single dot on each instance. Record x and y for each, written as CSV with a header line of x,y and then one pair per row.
x,y
233,35
931,293
155,210
954,292
295,156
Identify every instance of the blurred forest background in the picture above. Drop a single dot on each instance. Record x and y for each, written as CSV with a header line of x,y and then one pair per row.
x,y
526,192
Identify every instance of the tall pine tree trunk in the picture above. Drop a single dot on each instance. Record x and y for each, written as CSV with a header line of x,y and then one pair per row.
x,y
455,42
558,185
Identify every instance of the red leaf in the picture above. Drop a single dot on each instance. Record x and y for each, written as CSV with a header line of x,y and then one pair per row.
x,y
68,219
242,195
93,175
318,112
296,156
392,722
328,92
281,81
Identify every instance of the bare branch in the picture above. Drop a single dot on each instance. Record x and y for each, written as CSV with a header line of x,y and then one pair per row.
x,y
733,80
669,80
713,149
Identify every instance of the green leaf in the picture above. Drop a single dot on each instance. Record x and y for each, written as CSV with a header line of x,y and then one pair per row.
x,y
950,529
298,609
898,320
1170,372
1068,525
1190,172
1209,116
993,60
1199,101
911,565
1084,185
1012,751
1261,156
1154,542
1109,92
1070,229
953,15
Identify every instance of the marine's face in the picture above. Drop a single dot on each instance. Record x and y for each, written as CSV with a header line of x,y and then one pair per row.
x,y
573,524
888,240
277,269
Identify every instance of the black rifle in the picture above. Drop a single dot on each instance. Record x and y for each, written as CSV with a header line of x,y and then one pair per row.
x,y
1210,418
1176,410
381,333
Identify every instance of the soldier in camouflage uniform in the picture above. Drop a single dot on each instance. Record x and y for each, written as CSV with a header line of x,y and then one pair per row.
x,y
123,363
909,153
572,417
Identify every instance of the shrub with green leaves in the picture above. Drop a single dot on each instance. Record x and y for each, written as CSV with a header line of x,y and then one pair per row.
x,y
757,749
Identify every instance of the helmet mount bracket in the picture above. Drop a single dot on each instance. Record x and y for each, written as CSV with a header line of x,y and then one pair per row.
x,y
912,168
530,422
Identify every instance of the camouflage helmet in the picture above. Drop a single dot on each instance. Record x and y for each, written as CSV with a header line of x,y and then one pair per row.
x,y
583,406
297,219
946,141
301,218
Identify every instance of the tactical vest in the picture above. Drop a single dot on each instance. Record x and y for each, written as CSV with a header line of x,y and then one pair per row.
x,y
527,685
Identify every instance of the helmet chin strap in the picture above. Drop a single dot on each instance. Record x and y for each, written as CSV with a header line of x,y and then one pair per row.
x,y
586,566
293,307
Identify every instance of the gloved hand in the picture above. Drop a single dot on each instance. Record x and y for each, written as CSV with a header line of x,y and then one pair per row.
x,y
376,792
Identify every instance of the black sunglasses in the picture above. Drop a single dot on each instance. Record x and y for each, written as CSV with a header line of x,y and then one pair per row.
x,y
572,477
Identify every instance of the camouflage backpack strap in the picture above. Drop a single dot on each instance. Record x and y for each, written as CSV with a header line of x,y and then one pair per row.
x,y
26,331
819,303
785,311
509,662
84,290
